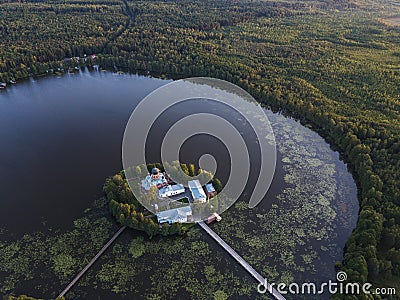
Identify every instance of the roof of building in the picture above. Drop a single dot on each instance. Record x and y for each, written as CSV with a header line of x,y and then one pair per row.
x,y
194,184
149,181
174,187
174,214
210,188
197,194
196,189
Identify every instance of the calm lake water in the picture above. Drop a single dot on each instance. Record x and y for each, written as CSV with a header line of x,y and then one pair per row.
x,y
61,137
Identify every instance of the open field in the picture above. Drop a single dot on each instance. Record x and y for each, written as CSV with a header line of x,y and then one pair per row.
x,y
392,21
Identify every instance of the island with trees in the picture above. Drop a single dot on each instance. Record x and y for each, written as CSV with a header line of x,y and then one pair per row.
x,y
128,211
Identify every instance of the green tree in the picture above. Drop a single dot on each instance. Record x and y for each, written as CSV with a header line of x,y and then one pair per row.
x,y
220,295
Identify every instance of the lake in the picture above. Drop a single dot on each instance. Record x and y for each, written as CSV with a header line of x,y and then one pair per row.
x,y
61,137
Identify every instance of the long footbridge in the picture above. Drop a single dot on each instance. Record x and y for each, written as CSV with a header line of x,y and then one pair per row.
x,y
241,261
213,234
87,267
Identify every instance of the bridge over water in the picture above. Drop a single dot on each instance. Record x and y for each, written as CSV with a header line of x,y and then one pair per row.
x,y
241,261
214,235
93,260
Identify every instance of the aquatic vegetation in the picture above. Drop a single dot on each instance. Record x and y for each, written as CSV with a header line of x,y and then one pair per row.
x,y
137,248
48,260
299,228
294,238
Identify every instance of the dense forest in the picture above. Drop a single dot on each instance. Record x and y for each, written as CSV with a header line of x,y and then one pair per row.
x,y
335,65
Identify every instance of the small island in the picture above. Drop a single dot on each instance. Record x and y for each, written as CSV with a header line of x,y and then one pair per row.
x,y
173,213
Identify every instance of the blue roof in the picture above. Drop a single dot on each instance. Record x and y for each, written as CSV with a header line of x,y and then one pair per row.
x,y
210,188
177,187
197,194
196,189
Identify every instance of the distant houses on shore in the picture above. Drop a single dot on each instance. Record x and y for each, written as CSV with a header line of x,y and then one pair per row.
x,y
82,59
58,71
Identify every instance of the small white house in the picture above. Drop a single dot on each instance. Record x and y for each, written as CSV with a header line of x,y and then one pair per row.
x,y
171,190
